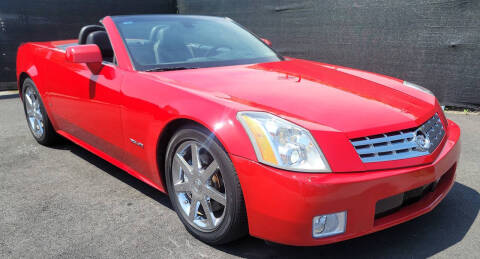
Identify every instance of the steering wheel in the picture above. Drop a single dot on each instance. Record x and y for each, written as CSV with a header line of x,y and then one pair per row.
x,y
214,49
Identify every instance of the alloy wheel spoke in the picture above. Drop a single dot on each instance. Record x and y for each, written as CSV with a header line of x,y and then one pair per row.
x,y
28,106
183,164
215,195
193,209
208,212
31,121
34,100
38,115
35,124
29,100
195,157
182,187
210,170
30,112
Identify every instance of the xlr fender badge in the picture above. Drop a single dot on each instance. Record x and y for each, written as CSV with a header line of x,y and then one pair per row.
x,y
136,142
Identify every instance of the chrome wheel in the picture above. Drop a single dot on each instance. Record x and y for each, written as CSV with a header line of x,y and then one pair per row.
x,y
34,113
199,187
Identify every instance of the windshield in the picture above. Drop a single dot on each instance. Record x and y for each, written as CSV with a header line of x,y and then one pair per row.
x,y
166,42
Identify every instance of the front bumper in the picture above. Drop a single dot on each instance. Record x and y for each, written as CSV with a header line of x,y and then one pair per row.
x,y
281,204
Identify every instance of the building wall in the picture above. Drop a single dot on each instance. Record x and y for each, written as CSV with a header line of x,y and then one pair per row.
x,y
434,43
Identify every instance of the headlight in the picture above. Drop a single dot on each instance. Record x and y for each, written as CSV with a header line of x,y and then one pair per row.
x,y
282,144
415,86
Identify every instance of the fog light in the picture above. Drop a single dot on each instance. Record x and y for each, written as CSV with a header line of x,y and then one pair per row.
x,y
329,225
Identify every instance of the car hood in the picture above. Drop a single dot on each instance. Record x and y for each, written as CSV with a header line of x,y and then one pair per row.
x,y
342,99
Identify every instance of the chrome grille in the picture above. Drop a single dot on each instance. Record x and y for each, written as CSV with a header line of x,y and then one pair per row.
x,y
401,144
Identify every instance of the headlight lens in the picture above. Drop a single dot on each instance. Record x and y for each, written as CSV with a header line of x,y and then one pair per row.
x,y
282,144
415,86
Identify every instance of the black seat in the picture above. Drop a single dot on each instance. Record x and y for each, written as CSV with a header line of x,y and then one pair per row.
x,y
101,39
157,39
153,33
86,30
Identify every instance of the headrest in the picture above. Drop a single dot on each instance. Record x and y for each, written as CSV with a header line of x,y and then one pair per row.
x,y
159,35
101,39
86,30
154,32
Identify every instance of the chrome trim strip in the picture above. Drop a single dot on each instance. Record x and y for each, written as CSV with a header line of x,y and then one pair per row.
x,y
402,144
386,138
387,148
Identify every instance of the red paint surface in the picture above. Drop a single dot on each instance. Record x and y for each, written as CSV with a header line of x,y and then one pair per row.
x,y
100,110
281,204
89,53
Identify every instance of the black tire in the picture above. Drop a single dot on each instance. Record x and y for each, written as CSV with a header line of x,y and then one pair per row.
x,y
49,136
234,224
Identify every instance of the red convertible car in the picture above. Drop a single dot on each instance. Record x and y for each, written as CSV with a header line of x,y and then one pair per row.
x,y
242,139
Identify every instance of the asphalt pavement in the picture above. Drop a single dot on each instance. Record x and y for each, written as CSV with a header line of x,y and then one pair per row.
x,y
66,202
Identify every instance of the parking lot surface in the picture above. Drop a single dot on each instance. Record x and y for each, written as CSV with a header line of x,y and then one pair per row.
x,y
66,202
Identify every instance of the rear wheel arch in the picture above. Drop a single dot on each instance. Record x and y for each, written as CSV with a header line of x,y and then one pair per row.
x,y
21,78
31,74
42,129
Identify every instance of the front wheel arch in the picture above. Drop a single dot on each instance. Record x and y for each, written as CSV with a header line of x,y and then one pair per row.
x,y
235,224
164,138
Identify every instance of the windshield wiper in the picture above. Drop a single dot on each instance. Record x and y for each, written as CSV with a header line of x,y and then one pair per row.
x,y
169,69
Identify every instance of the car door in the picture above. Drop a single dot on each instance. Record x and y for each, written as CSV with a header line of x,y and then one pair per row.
x,y
87,105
